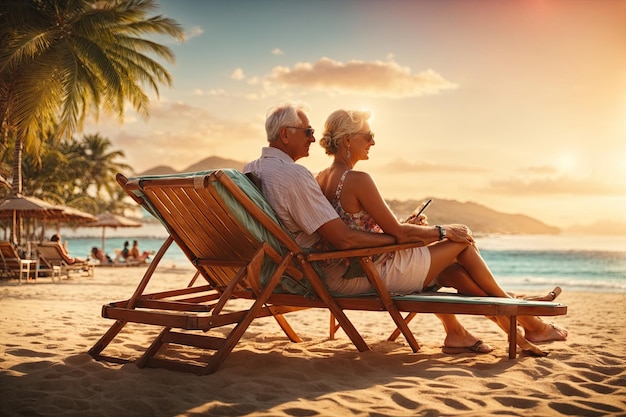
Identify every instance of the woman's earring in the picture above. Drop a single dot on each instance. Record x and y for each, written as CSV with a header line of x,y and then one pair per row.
x,y
348,152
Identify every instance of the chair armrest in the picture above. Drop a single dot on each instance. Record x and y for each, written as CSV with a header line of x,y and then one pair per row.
x,y
351,253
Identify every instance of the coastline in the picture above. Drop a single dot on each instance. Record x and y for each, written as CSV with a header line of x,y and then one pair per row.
x,y
48,328
521,262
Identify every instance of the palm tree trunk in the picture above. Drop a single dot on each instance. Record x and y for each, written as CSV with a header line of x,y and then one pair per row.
x,y
16,187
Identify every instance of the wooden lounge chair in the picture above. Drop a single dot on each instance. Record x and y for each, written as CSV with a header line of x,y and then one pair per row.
x,y
50,256
14,266
229,233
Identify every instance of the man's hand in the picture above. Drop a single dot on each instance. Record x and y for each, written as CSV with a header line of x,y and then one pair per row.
x,y
459,233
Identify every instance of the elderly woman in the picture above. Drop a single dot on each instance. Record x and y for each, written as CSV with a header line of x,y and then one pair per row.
x,y
449,258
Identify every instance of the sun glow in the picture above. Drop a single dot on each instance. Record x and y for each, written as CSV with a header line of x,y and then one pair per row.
x,y
567,163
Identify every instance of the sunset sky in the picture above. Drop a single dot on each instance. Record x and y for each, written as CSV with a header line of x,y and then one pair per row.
x,y
516,105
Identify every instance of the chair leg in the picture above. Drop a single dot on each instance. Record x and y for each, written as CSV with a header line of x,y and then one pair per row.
x,y
512,337
106,339
390,305
233,337
334,308
153,349
119,324
397,331
287,329
333,327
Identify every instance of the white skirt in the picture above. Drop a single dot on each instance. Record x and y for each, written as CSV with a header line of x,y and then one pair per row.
x,y
403,272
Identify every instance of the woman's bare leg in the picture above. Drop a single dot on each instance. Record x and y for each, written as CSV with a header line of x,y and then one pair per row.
x,y
484,283
455,276
551,296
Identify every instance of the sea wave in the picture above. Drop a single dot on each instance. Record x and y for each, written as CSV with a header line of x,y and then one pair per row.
x,y
541,284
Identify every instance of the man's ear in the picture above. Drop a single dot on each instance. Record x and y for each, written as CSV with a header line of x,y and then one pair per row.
x,y
283,135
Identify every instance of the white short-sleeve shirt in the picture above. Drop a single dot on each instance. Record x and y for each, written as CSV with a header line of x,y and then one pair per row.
x,y
294,194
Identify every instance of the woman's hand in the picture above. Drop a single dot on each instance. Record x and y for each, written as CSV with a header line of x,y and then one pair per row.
x,y
421,220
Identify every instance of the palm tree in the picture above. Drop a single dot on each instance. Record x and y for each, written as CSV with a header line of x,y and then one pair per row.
x,y
61,59
47,176
77,173
101,162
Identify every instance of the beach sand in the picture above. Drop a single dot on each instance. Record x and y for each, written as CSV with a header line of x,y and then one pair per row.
x,y
47,329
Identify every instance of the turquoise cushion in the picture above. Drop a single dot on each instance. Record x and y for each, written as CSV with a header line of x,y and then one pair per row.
x,y
443,297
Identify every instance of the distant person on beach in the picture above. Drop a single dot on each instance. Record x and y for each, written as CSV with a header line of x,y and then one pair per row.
x,y
134,253
70,260
123,254
125,251
99,255
305,210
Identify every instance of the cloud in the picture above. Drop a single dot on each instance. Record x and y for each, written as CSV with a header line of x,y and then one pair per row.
x,y
216,92
184,135
402,166
237,74
379,78
555,186
540,170
176,111
277,51
193,32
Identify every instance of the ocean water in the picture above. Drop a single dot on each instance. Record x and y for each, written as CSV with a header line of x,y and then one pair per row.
x,y
573,262
528,263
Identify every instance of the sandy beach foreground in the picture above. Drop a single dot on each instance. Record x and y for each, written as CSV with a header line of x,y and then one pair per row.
x,y
47,328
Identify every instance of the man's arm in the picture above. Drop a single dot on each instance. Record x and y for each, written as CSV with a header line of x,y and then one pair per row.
x,y
342,237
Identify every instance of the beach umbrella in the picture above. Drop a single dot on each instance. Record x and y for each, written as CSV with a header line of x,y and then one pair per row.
x,y
71,215
68,215
19,206
26,206
113,221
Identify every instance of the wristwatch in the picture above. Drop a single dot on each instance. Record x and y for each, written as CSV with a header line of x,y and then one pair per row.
x,y
442,232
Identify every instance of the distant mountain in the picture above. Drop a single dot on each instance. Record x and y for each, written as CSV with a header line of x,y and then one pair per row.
x,y
212,162
159,170
479,218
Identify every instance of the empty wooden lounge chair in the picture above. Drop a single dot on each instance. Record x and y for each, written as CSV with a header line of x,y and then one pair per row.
x,y
229,233
13,265
50,256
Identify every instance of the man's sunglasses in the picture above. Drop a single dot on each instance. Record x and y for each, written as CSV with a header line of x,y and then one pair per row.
x,y
308,131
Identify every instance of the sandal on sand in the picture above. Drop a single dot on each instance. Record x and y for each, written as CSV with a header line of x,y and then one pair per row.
x,y
478,347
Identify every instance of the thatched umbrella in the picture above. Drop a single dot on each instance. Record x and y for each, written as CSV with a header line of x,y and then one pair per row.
x,y
72,215
27,206
19,206
113,221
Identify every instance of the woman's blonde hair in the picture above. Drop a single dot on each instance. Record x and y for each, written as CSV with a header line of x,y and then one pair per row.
x,y
339,124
